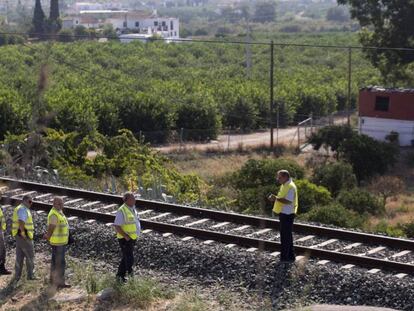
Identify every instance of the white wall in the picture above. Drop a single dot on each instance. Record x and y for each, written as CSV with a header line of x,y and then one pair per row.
x,y
379,128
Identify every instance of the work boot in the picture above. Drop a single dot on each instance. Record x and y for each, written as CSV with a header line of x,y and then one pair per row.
x,y
4,271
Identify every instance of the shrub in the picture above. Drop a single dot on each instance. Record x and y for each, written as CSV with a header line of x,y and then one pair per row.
x,y
258,173
360,201
335,177
387,186
384,227
409,229
311,195
334,214
254,200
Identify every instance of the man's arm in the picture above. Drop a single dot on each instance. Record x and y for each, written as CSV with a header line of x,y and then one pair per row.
x,y
22,229
49,232
122,232
288,199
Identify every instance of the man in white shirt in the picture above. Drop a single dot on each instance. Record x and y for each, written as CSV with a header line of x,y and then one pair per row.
x,y
128,228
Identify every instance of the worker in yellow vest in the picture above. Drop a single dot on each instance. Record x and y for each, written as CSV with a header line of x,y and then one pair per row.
x,y
58,236
3,270
22,231
286,205
127,228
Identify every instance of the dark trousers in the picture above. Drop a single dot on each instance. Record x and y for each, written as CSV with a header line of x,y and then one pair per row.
x,y
286,237
127,261
58,264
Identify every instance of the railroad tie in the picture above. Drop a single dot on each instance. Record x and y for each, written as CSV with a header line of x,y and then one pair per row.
x,y
352,246
230,245
146,231
42,196
208,242
260,232
90,204
166,235
322,262
145,212
222,224
179,218
73,201
197,222
159,216
241,228
305,238
400,254
324,243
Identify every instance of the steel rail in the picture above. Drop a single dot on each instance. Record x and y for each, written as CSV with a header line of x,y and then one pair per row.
x,y
262,245
260,222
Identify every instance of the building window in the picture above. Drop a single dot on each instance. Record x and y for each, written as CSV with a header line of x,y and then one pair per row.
x,y
125,24
137,24
175,33
171,25
382,103
155,23
163,24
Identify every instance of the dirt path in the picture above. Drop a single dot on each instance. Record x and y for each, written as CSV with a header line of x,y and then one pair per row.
x,y
231,142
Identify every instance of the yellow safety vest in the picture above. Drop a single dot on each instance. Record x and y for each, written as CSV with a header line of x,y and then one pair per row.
x,y
60,235
28,225
283,192
130,225
2,221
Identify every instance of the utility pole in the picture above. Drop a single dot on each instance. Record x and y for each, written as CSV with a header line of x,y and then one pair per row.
x,y
271,93
348,102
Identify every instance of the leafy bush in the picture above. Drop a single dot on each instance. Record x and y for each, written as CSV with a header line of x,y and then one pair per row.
x,y
335,177
367,156
258,173
310,195
409,229
334,214
384,227
254,200
360,201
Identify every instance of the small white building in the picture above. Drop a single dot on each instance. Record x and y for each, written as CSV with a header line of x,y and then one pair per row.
x,y
123,20
384,111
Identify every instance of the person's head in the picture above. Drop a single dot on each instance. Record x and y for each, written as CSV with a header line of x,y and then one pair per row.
x,y
129,199
27,200
58,203
283,176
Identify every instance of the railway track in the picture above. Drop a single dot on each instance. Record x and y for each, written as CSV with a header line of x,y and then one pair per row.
x,y
351,248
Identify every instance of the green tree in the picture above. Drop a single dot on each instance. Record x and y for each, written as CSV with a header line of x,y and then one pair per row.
x,y
387,23
265,12
311,195
54,22
335,177
38,19
338,14
360,201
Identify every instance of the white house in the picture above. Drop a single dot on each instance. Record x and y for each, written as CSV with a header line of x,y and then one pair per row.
x,y
384,111
123,20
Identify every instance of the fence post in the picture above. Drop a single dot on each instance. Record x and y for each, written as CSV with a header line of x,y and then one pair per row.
x,y
348,102
181,137
228,140
298,136
271,93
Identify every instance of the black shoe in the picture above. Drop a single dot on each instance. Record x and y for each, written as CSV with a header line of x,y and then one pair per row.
x,y
5,272
121,279
61,286
33,278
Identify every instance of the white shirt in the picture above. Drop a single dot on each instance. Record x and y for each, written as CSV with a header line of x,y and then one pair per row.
x,y
289,208
119,219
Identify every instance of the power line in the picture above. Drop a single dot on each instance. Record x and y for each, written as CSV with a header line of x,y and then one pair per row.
x,y
281,44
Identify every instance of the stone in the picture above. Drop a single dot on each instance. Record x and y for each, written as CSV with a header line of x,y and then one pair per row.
x,y
106,294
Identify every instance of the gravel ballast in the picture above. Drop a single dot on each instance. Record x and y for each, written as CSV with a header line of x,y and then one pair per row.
x,y
287,286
